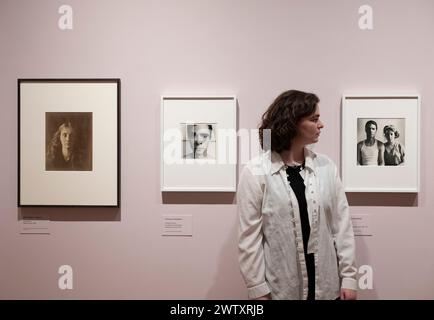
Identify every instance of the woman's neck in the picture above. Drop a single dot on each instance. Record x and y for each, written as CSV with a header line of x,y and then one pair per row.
x,y
66,154
293,155
390,143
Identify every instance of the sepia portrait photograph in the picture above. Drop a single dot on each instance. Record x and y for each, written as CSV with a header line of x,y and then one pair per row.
x,y
68,138
380,141
198,140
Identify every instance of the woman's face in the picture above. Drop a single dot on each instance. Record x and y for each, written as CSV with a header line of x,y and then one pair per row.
x,y
309,128
390,136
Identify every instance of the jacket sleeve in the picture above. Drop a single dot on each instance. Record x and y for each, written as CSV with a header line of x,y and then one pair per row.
x,y
251,254
343,235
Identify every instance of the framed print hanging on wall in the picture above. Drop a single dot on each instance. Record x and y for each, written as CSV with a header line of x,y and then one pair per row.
x,y
198,143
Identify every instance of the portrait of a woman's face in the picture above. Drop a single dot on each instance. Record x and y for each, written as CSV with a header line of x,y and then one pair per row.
x,y
67,135
68,141
199,141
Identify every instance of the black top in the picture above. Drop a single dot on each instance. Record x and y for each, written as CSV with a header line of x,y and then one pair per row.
x,y
297,185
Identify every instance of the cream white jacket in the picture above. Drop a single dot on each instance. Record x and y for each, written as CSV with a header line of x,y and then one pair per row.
x,y
271,252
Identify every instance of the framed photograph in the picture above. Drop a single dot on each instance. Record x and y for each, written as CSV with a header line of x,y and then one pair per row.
x,y
68,142
198,143
380,143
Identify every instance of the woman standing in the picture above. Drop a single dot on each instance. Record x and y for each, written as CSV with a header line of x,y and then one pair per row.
x,y
295,234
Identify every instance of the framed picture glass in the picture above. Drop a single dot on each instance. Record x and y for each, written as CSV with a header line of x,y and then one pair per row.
x,y
198,143
380,143
68,142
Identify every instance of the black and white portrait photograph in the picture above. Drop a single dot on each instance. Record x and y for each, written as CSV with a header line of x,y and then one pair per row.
x,y
194,143
68,141
199,140
380,141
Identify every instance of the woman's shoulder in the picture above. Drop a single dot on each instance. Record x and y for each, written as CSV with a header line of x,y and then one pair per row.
x,y
323,164
400,146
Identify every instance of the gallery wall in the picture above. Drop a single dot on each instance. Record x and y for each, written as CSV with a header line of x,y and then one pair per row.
x,y
254,49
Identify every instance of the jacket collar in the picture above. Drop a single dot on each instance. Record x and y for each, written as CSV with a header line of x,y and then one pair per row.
x,y
277,163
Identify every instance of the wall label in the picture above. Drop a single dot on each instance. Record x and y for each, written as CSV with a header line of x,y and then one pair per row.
x,y
177,225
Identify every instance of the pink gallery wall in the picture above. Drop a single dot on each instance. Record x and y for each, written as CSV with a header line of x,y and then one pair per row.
x,y
253,49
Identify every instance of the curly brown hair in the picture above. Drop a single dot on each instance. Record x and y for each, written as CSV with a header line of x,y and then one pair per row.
x,y
283,116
